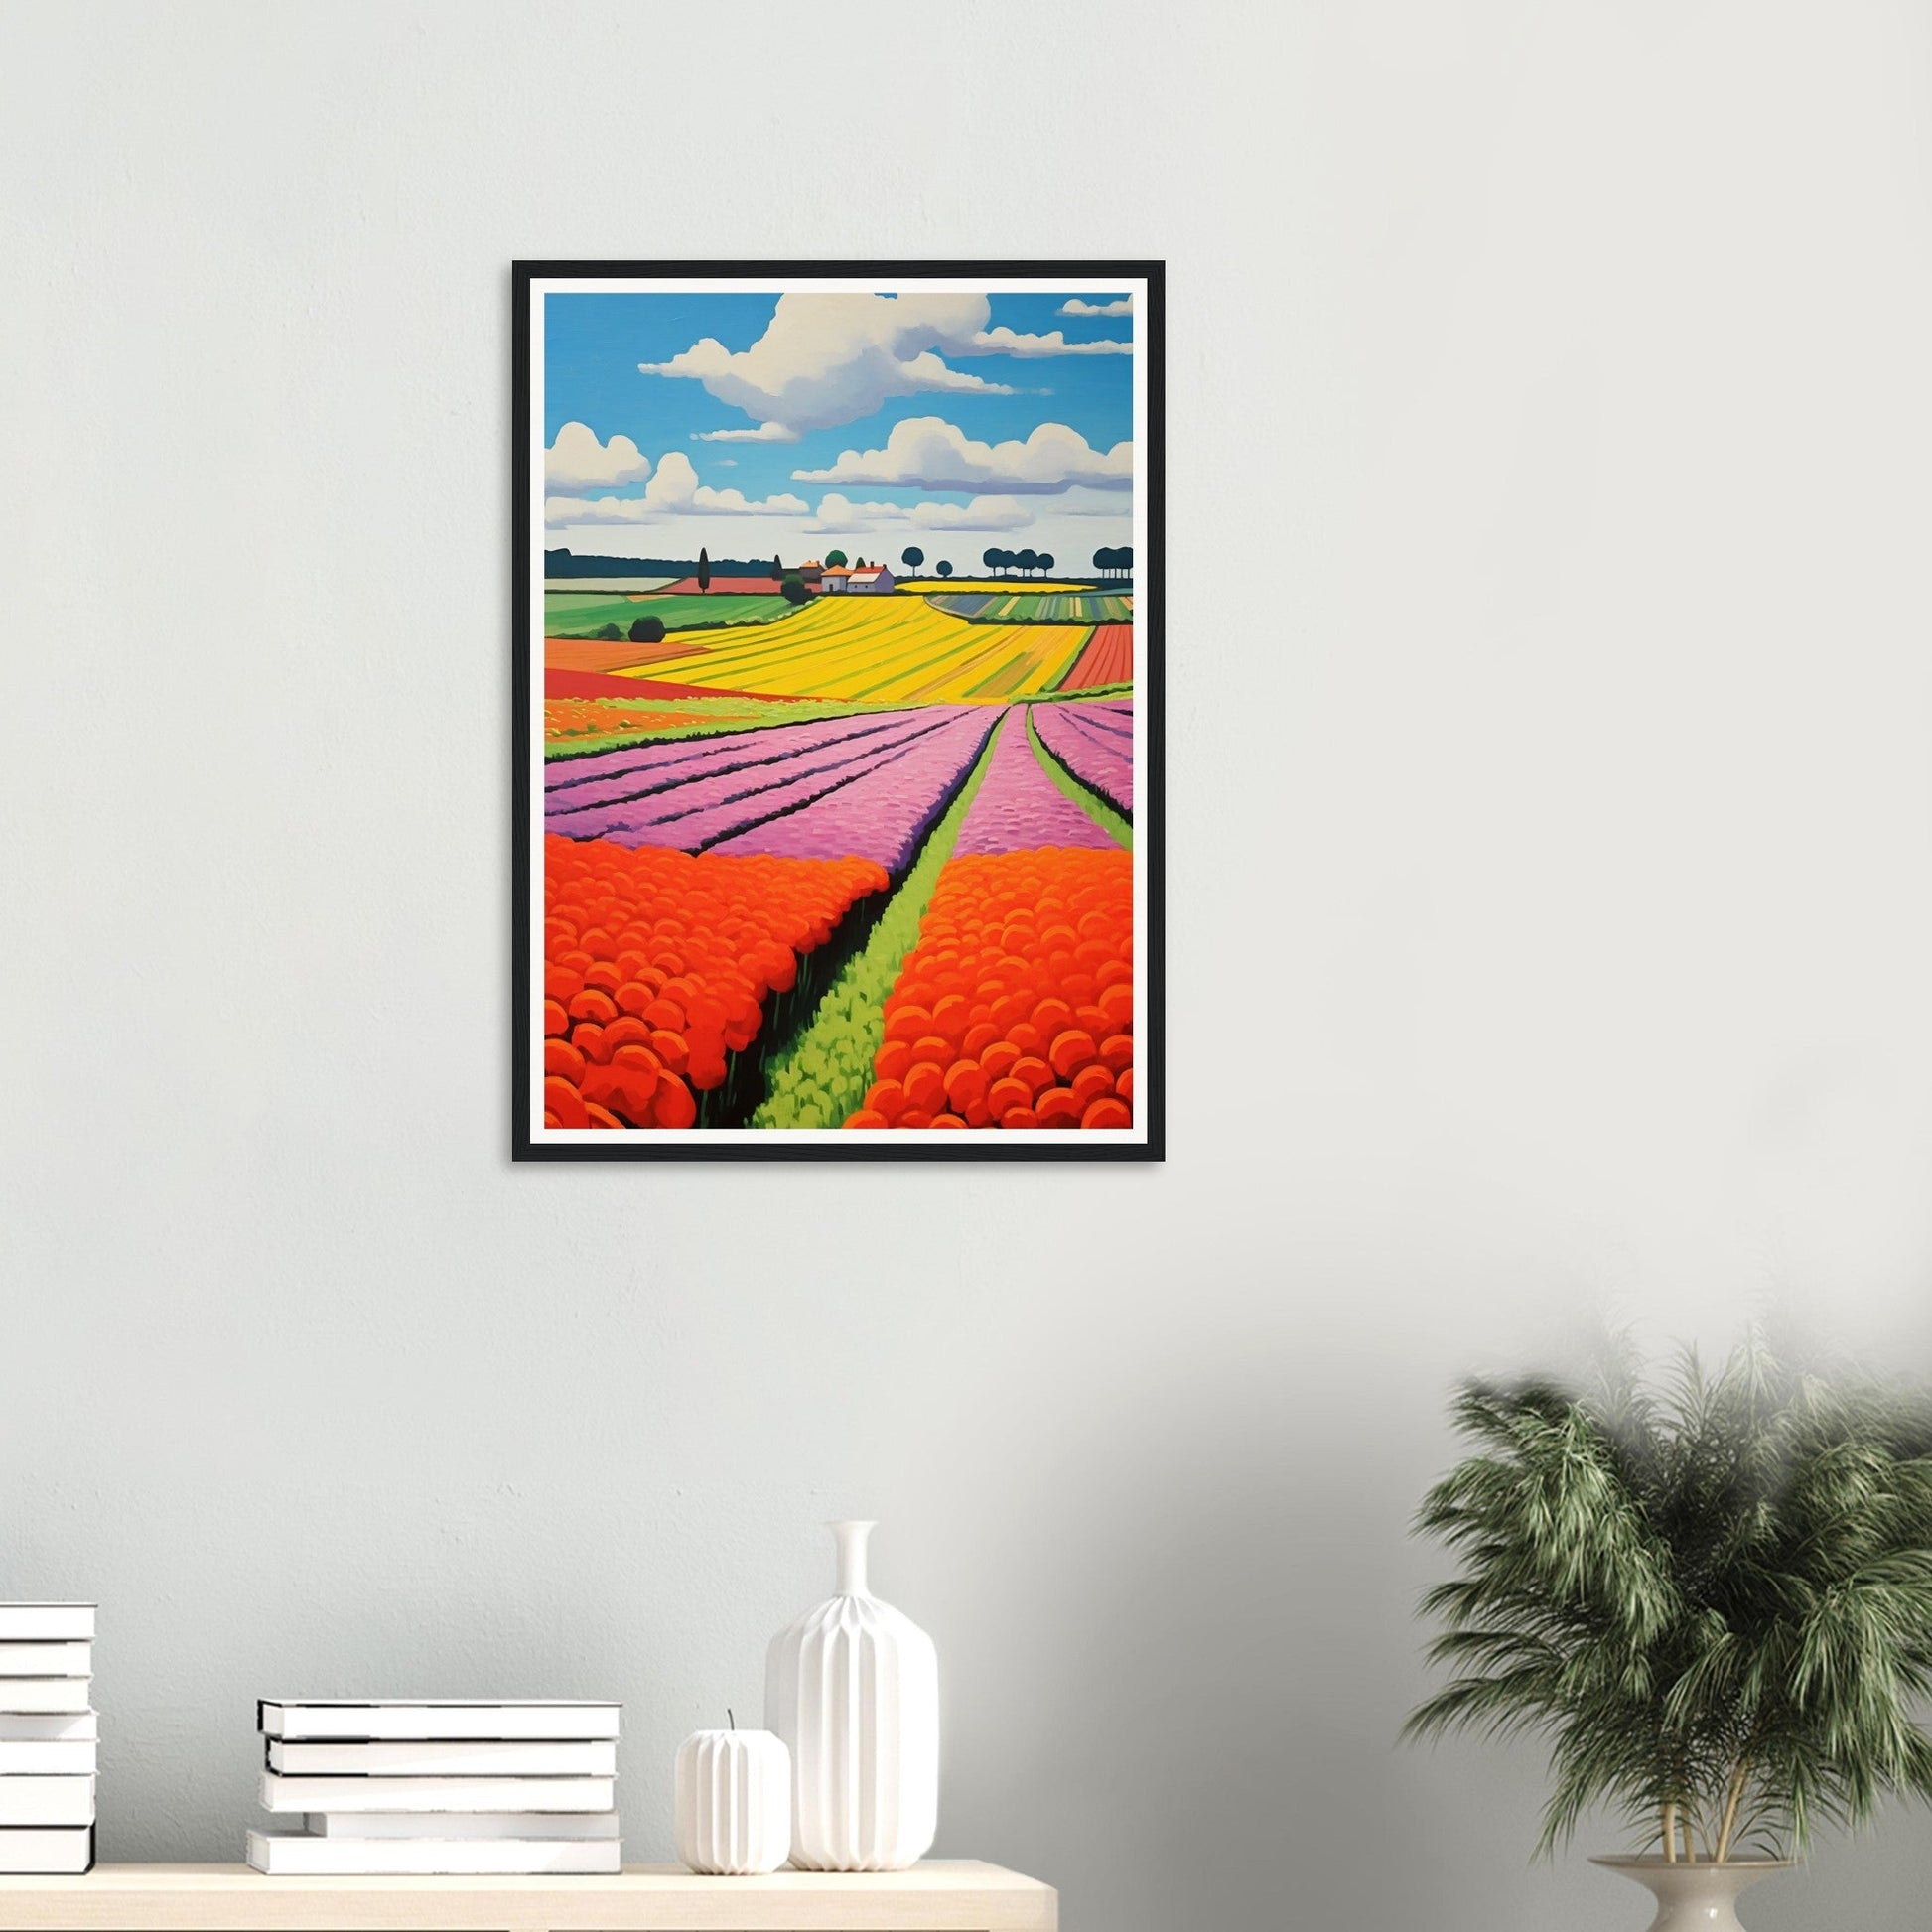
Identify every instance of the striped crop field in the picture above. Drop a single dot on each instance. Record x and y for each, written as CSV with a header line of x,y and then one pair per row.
x,y
925,585
571,615
1095,746
1107,660
882,651
1035,606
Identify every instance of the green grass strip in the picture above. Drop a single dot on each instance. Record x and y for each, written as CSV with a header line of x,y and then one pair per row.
x,y
1090,802
822,1078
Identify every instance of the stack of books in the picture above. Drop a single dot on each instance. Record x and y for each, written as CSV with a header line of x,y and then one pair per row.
x,y
438,1785
48,1732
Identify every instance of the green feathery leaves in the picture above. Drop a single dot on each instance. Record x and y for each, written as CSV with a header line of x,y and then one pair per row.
x,y
1712,1600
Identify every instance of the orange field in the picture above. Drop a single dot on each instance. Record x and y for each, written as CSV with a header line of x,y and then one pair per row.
x,y
601,654
656,965
1107,660
1015,1008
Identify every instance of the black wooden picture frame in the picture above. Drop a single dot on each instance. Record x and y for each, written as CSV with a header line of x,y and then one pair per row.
x,y
1147,1141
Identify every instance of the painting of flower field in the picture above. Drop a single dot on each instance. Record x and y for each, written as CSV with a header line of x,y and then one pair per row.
x,y
838,712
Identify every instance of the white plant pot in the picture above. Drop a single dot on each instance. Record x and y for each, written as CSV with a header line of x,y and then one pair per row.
x,y
1696,1898
852,1689
734,1801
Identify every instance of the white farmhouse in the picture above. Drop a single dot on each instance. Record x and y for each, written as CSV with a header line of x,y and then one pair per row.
x,y
873,578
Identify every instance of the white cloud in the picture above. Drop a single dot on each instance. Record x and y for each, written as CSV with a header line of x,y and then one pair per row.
x,y
1093,503
764,433
1073,306
578,461
982,513
673,491
830,359
929,453
839,515
1002,342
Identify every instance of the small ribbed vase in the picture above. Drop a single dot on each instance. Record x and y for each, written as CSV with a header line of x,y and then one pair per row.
x,y
1696,1898
734,1801
853,1688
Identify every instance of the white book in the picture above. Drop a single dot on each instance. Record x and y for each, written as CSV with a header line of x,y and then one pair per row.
x,y
43,1621
45,1658
63,1849
46,1801
47,1758
281,1793
56,1727
593,1758
39,1694
284,1853
457,1823
435,1718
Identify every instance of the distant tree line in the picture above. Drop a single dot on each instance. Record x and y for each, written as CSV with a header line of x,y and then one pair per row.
x,y
1115,563
1024,561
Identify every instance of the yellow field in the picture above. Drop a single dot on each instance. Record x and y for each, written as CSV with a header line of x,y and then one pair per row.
x,y
880,650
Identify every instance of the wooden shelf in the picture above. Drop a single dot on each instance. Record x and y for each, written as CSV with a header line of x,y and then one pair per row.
x,y
940,1895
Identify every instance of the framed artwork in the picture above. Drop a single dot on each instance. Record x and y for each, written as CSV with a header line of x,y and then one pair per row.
x,y
837,710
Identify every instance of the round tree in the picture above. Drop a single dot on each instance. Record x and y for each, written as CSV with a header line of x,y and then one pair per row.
x,y
835,560
911,556
943,568
646,630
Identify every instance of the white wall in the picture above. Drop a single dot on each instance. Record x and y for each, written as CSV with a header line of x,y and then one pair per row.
x,y
1550,832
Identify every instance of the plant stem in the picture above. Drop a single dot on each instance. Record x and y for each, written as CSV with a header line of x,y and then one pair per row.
x,y
1670,1834
1732,1800
1689,1844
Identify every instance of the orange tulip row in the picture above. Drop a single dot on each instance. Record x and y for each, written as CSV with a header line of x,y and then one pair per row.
x,y
1015,1008
656,964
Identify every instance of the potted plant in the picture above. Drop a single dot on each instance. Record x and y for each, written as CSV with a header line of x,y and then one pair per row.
x,y
1710,1598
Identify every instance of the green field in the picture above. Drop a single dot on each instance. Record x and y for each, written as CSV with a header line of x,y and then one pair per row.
x,y
1035,607
578,614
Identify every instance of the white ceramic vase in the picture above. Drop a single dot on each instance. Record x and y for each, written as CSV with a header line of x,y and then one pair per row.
x,y
852,1689
1696,1898
734,1801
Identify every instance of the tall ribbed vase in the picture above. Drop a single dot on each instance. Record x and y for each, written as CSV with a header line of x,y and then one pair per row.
x,y
852,1689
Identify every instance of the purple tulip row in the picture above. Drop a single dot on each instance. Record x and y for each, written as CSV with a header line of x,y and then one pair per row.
x,y
704,807
569,782
884,814
1098,753
1018,806
1115,714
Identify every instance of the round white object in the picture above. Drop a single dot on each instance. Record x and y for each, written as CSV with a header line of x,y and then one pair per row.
x,y
734,1801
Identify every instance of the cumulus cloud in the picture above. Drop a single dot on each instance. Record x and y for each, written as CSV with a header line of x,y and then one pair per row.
x,y
673,491
1073,306
982,513
764,433
578,461
830,359
1004,341
929,453
839,515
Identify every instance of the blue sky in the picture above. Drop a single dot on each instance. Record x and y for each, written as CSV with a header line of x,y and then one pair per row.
x,y
753,425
